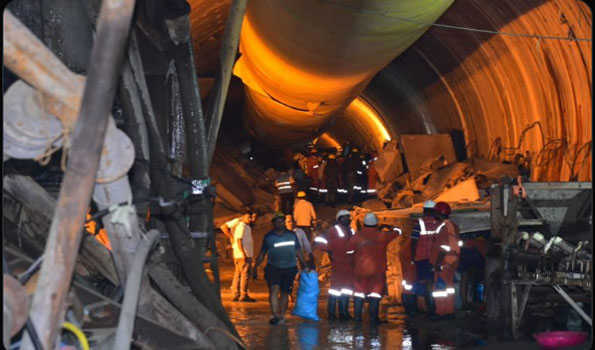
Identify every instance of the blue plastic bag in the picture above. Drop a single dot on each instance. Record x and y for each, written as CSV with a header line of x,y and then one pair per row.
x,y
306,305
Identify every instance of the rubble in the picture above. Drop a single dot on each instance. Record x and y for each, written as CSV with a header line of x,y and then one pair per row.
x,y
427,151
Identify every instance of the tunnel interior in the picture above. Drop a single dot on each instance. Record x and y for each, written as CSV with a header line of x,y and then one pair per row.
x,y
505,94
498,79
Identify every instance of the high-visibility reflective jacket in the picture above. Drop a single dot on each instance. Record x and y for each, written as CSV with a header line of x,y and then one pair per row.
x,y
447,241
335,241
368,247
284,183
407,267
312,165
426,235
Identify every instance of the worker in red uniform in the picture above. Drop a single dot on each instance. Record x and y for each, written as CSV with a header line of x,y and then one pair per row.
x,y
312,165
334,242
409,299
445,258
372,175
368,247
422,239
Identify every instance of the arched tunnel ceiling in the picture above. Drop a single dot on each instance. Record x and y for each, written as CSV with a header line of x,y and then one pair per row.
x,y
492,87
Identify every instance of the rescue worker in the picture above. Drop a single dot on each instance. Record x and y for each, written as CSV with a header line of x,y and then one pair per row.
x,y
331,176
341,186
361,179
239,232
304,214
372,175
368,248
313,163
471,268
422,239
301,183
281,247
322,188
350,166
445,258
334,242
409,299
285,189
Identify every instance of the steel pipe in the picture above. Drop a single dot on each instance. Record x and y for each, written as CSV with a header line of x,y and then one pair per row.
x,y
26,56
87,140
304,61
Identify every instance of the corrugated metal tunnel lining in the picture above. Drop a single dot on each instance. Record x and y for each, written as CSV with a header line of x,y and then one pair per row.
x,y
491,87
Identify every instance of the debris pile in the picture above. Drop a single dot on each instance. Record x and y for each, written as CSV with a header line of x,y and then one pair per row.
x,y
421,167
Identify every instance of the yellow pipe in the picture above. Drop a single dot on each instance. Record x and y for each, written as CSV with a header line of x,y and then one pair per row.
x,y
82,338
303,61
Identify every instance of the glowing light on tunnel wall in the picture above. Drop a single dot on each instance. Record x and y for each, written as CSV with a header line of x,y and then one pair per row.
x,y
361,109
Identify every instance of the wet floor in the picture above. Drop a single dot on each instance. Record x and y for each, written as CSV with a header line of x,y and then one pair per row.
x,y
251,320
400,332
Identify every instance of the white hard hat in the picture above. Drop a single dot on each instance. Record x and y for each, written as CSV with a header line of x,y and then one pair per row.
x,y
342,212
429,204
370,219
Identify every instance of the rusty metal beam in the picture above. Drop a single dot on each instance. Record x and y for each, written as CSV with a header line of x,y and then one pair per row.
x,y
87,140
26,56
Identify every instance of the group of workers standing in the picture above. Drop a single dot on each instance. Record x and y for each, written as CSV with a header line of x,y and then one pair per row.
x,y
328,177
428,260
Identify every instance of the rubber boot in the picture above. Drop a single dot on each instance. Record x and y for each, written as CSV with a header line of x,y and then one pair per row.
x,y
358,305
331,306
344,308
373,309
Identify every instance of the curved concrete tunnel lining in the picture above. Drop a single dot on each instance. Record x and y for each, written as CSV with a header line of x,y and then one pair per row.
x,y
493,87
287,54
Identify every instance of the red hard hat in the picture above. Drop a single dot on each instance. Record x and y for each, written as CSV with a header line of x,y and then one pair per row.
x,y
443,208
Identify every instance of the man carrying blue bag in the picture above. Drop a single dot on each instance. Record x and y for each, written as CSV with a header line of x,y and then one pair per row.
x,y
306,305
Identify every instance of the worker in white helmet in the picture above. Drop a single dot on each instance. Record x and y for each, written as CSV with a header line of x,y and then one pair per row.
x,y
423,237
368,248
334,242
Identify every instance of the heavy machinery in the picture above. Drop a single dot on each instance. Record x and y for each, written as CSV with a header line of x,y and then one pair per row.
x,y
541,235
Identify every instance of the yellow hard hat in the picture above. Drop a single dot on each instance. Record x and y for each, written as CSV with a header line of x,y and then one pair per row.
x,y
301,194
331,156
355,149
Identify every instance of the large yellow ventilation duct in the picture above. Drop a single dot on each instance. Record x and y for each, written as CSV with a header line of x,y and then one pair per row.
x,y
302,61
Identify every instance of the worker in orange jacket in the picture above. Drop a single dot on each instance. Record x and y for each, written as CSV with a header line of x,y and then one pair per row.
x,y
372,175
312,170
445,259
368,247
423,238
409,298
335,242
